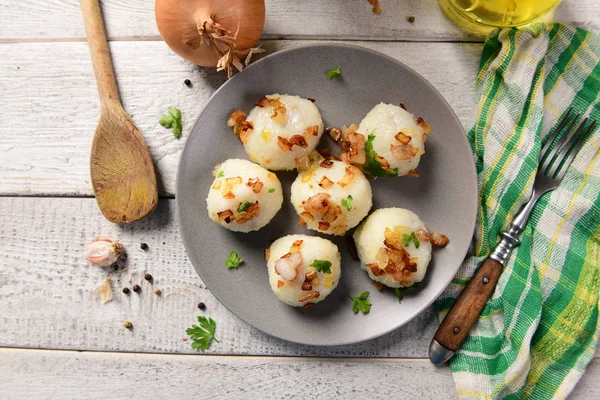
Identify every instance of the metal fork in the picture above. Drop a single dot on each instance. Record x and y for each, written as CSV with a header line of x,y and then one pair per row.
x,y
558,152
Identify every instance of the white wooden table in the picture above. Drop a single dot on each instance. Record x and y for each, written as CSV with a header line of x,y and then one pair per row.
x,y
59,342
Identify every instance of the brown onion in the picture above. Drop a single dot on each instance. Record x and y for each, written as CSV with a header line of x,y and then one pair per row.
x,y
212,33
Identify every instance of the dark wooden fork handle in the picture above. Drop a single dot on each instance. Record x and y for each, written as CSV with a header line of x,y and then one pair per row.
x,y
455,328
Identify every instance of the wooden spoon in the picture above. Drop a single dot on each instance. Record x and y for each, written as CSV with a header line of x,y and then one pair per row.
x,y
122,173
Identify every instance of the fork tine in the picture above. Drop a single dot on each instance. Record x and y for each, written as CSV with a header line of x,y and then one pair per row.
x,y
550,155
551,137
577,144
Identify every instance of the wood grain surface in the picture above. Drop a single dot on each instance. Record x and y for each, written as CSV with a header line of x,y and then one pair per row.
x,y
41,20
92,375
49,88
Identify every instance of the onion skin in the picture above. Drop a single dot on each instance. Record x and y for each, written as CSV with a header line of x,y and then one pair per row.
x,y
179,20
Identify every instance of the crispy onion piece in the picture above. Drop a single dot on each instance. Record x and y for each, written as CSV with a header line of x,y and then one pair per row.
x,y
255,184
325,182
439,240
426,127
403,151
422,235
283,144
348,177
225,216
334,133
267,254
312,131
287,266
236,118
318,203
402,137
326,163
278,115
251,212
298,140
229,196
310,296
296,246
414,173
352,148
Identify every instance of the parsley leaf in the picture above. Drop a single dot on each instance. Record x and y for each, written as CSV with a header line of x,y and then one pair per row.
x,y
410,238
233,260
361,303
322,266
172,120
202,334
271,190
371,165
347,202
244,206
399,291
221,174
334,73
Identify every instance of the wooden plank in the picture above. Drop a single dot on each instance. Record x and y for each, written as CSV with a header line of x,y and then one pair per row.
x,y
291,19
91,375
50,106
69,375
46,285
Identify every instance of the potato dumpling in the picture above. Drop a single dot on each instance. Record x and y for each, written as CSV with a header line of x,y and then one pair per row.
x,y
279,131
244,196
394,247
395,141
303,270
331,197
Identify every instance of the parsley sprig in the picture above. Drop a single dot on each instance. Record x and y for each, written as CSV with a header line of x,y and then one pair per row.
x,y
322,266
244,206
334,73
347,202
361,303
410,238
172,120
399,291
233,260
203,333
371,165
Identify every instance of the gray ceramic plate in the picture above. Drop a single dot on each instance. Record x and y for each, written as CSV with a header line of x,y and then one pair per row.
x,y
445,196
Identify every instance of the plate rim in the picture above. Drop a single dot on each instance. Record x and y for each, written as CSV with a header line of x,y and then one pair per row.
x,y
464,142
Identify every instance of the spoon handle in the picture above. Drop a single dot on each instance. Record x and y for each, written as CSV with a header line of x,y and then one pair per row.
x,y
96,37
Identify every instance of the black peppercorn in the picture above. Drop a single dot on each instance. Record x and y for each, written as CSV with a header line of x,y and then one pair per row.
x,y
126,290
201,305
137,288
148,277
188,83
115,267
411,19
144,246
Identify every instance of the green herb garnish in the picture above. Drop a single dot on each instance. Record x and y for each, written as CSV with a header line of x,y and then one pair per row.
x,y
172,120
271,190
244,206
202,334
334,73
221,174
361,303
233,260
322,266
399,291
371,165
347,202
410,238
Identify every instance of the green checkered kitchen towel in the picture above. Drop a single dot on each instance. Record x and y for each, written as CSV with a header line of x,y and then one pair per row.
x,y
539,331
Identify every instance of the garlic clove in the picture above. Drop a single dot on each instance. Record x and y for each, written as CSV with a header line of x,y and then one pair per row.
x,y
103,251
